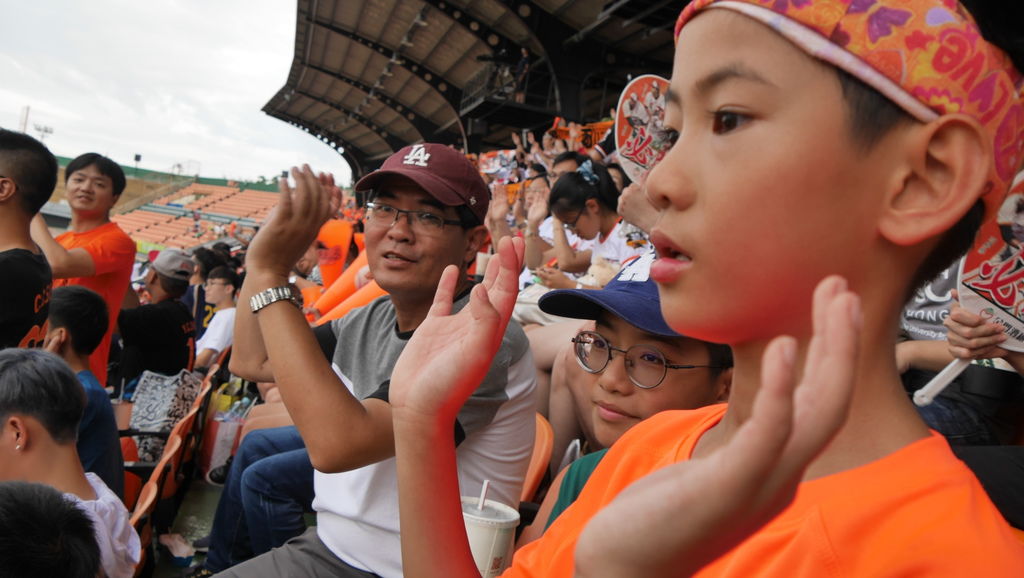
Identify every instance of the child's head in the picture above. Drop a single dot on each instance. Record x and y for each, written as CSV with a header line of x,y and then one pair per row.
x,y
78,317
173,269
39,396
797,171
221,283
43,533
659,370
29,168
563,163
581,198
206,261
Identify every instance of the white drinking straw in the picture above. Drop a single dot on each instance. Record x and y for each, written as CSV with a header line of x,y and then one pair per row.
x,y
483,495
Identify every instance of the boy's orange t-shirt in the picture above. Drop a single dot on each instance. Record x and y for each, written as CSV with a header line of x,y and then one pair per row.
x,y
917,512
113,254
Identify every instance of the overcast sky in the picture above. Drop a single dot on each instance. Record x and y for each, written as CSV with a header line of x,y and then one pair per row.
x,y
177,81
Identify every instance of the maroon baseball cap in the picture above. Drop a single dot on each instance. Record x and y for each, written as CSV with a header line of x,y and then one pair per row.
x,y
444,173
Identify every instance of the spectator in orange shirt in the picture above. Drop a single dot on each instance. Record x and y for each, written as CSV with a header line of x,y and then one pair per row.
x,y
94,252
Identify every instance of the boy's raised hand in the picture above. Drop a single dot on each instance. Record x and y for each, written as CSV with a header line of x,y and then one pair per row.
x,y
294,222
448,355
692,512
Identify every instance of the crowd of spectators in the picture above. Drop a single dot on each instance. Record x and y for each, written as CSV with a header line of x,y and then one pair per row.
x,y
411,342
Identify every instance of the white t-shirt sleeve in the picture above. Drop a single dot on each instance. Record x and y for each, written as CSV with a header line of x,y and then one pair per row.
x,y
220,334
119,545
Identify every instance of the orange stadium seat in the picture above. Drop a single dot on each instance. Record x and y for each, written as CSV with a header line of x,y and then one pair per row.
x,y
363,296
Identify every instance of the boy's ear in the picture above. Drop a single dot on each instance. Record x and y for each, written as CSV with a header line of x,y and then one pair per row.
x,y
15,432
948,166
55,339
7,190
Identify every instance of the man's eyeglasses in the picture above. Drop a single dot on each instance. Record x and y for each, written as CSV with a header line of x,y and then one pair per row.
x,y
383,215
209,284
645,365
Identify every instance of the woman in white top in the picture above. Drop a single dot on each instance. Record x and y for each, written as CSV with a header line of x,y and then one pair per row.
x,y
584,202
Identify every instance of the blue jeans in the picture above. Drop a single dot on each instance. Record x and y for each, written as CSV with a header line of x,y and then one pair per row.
x,y
269,486
960,423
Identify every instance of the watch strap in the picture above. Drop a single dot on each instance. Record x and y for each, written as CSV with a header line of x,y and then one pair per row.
x,y
273,295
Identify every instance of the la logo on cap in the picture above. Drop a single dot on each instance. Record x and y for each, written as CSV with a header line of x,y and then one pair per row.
x,y
639,269
417,156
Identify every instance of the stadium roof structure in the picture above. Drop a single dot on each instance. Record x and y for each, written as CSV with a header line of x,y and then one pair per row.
x,y
371,76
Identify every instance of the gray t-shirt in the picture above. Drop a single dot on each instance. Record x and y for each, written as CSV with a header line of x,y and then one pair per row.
x,y
357,511
923,315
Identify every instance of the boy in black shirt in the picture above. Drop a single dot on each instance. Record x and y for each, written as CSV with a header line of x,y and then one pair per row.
x,y
160,336
28,174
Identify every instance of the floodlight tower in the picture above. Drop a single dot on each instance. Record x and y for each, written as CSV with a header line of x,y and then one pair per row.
x,y
43,130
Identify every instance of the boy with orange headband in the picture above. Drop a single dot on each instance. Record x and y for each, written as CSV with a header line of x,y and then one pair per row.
x,y
860,143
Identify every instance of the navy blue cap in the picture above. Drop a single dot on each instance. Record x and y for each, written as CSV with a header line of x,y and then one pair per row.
x,y
631,295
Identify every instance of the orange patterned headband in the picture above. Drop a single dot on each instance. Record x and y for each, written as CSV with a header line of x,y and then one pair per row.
x,y
927,56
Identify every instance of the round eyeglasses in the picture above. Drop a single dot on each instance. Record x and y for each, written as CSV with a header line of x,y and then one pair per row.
x,y
384,215
646,367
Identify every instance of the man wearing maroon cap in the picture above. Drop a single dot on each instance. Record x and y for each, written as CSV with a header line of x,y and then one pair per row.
x,y
424,218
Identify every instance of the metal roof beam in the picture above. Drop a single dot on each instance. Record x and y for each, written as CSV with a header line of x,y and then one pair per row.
x,y
489,36
393,140
451,93
425,126
356,160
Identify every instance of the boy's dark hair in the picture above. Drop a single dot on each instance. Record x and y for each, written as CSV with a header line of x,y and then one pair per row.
x,y
538,168
571,191
29,164
206,261
569,156
43,533
105,166
39,384
175,288
872,116
719,358
83,313
226,274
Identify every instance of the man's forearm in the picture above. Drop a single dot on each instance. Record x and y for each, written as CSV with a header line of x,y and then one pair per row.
x,y
63,263
339,430
249,354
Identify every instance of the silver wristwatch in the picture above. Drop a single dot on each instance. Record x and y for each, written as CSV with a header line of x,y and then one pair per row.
x,y
273,295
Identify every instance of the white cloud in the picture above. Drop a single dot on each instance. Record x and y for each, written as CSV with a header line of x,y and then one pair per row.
x,y
176,81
